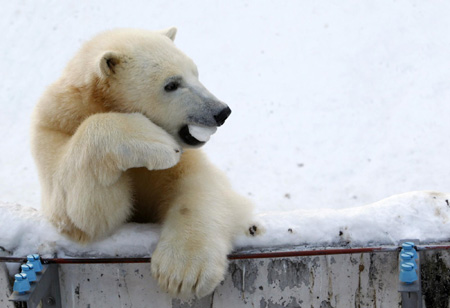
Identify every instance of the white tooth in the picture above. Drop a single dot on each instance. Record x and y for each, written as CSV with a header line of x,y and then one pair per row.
x,y
201,133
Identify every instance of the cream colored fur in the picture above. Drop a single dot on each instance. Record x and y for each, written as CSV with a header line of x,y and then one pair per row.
x,y
105,144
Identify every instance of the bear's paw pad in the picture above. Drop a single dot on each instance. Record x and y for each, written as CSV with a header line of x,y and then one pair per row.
x,y
185,276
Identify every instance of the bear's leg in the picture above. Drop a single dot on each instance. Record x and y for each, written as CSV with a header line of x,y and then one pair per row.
x,y
90,179
197,234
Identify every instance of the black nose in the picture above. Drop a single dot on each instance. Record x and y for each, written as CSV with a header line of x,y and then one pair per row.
x,y
222,116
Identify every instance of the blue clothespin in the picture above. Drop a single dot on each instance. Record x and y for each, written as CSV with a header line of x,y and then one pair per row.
x,y
29,270
36,261
21,283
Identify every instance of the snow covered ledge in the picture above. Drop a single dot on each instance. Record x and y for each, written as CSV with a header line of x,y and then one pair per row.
x,y
321,281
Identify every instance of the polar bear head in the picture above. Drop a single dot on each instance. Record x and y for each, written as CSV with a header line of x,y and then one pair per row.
x,y
142,71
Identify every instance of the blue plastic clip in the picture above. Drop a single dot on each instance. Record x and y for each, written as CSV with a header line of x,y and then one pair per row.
x,y
407,273
21,283
408,257
409,247
29,270
36,261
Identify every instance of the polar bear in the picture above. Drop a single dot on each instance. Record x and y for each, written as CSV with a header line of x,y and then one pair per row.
x,y
116,139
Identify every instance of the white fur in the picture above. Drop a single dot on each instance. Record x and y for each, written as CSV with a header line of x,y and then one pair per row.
x,y
104,138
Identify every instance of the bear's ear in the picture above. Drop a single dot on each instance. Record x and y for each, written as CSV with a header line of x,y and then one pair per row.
x,y
169,32
108,63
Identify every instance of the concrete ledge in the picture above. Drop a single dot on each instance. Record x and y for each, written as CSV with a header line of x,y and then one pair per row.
x,y
365,279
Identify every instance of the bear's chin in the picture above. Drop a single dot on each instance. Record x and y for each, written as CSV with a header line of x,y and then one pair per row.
x,y
188,139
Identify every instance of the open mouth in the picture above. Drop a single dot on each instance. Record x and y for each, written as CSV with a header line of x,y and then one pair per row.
x,y
195,134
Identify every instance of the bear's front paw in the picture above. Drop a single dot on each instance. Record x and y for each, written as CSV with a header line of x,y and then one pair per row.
x,y
153,155
185,273
163,156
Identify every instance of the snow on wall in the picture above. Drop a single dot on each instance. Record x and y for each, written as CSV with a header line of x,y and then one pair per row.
x,y
24,230
422,215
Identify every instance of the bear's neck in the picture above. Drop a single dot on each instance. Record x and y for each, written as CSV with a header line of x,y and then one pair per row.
x,y
70,105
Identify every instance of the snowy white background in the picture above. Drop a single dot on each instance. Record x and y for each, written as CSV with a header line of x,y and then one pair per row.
x,y
335,104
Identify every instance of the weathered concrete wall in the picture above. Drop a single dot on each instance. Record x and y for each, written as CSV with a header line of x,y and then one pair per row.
x,y
363,280
5,286
435,273
356,280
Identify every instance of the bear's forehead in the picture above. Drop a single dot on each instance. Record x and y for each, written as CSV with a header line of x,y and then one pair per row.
x,y
161,59
147,52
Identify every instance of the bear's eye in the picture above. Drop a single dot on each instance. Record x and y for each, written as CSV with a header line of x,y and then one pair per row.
x,y
172,86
